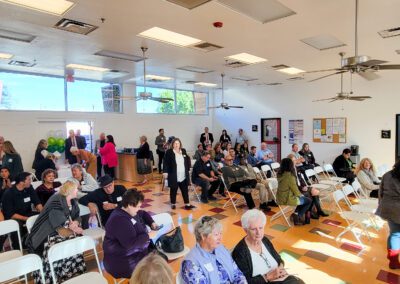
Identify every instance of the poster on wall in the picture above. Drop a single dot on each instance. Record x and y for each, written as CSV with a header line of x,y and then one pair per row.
x,y
329,130
296,131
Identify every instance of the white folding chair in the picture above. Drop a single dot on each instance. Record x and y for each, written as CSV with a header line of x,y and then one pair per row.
x,y
274,167
310,174
329,170
382,169
7,227
95,233
258,173
22,265
368,208
33,177
283,210
265,169
325,180
193,187
90,277
70,248
36,184
29,223
166,220
234,199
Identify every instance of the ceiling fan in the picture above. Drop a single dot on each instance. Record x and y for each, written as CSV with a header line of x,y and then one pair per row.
x,y
343,95
362,65
223,104
145,95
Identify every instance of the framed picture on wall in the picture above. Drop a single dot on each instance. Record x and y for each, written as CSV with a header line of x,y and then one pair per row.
x,y
271,134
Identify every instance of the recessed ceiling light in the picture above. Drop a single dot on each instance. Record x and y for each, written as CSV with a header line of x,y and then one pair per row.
x,y
55,7
194,69
323,42
166,36
291,70
157,78
119,55
6,34
87,67
5,55
205,84
247,58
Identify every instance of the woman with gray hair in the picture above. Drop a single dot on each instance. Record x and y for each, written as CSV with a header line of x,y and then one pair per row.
x,y
143,156
256,256
209,262
86,182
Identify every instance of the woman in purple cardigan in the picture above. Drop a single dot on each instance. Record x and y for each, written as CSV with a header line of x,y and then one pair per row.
x,y
126,241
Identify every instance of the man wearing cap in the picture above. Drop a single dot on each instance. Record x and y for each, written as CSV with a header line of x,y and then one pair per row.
x,y
105,199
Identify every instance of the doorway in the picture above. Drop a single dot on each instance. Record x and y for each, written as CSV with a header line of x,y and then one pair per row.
x,y
86,128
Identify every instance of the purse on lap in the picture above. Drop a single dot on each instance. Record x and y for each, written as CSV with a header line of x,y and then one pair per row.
x,y
172,241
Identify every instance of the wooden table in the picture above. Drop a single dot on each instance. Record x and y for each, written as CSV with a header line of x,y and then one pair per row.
x,y
127,168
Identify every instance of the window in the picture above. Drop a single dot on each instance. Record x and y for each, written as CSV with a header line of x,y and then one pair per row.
x,y
185,102
31,92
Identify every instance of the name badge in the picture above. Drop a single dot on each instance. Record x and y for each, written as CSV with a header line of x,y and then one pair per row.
x,y
209,267
119,198
10,160
133,221
27,199
105,202
208,165
184,156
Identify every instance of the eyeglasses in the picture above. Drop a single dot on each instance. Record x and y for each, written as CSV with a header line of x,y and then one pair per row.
x,y
266,260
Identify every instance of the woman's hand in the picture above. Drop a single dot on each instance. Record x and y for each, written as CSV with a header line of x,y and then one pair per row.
x,y
272,275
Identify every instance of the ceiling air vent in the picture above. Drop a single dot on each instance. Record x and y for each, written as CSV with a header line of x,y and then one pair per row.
x,y
191,82
273,84
75,26
244,78
280,66
390,32
189,4
119,55
16,36
206,46
296,78
195,69
235,64
22,63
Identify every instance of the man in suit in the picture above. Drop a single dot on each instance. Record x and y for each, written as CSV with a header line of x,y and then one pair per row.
x,y
82,138
206,138
99,144
72,140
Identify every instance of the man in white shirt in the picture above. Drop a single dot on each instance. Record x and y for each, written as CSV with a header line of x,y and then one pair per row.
x,y
241,137
206,138
299,160
264,155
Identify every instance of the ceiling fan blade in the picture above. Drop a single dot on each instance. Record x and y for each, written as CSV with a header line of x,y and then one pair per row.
x,y
355,99
369,75
389,67
161,100
339,72
214,107
361,97
372,62
334,98
235,106
324,70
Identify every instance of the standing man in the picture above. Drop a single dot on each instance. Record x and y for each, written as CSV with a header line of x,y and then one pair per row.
x,y
206,138
241,138
104,199
204,176
160,142
72,141
82,138
99,144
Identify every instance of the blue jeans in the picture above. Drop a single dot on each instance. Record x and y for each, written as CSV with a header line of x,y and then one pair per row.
x,y
394,236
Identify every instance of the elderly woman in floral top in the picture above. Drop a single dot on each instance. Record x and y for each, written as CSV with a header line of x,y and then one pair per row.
x,y
209,261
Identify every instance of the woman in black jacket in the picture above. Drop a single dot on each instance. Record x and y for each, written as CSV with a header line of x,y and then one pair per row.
x,y
12,160
143,156
255,255
42,145
177,164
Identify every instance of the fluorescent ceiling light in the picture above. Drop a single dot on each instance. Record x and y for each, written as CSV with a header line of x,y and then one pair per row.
x,y
55,7
16,36
87,67
194,69
291,70
157,78
205,84
5,55
247,58
169,37
323,42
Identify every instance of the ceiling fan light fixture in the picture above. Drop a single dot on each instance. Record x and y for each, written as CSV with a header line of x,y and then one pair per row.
x,y
170,37
247,58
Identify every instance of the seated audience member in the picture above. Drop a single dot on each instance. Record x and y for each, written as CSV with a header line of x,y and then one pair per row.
x,y
245,148
252,157
238,149
47,188
104,199
49,162
255,255
5,181
58,221
12,160
227,148
299,161
127,241
224,137
235,156
241,138
288,193
17,204
86,182
42,145
209,262
343,166
264,155
204,176
261,187
197,154
152,269
236,181
366,176
218,153
89,160
308,156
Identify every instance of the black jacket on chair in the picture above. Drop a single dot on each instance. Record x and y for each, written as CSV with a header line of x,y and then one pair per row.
x,y
171,167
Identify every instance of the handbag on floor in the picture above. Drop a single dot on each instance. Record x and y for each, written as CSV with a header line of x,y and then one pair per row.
x,y
172,241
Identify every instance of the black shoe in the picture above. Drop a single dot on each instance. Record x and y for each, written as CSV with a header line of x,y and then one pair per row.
x,y
189,207
314,215
323,214
173,206
307,218
272,203
264,206
211,197
204,200
296,220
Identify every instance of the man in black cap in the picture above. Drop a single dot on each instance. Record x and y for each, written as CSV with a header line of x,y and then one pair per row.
x,y
105,199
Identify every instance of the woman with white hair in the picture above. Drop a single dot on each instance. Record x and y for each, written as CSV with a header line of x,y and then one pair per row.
x,y
86,182
209,262
255,255
89,160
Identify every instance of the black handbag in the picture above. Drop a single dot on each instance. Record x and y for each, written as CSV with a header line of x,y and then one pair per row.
x,y
172,241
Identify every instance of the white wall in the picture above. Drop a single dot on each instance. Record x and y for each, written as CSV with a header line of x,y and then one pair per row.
x,y
293,100
24,130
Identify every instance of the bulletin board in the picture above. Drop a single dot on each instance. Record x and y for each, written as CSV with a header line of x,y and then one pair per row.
x,y
330,130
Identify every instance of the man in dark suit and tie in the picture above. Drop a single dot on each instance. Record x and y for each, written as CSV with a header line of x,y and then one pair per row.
x,y
206,138
72,140
82,138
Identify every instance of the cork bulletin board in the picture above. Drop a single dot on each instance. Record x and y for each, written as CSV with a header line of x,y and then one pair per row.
x,y
329,130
